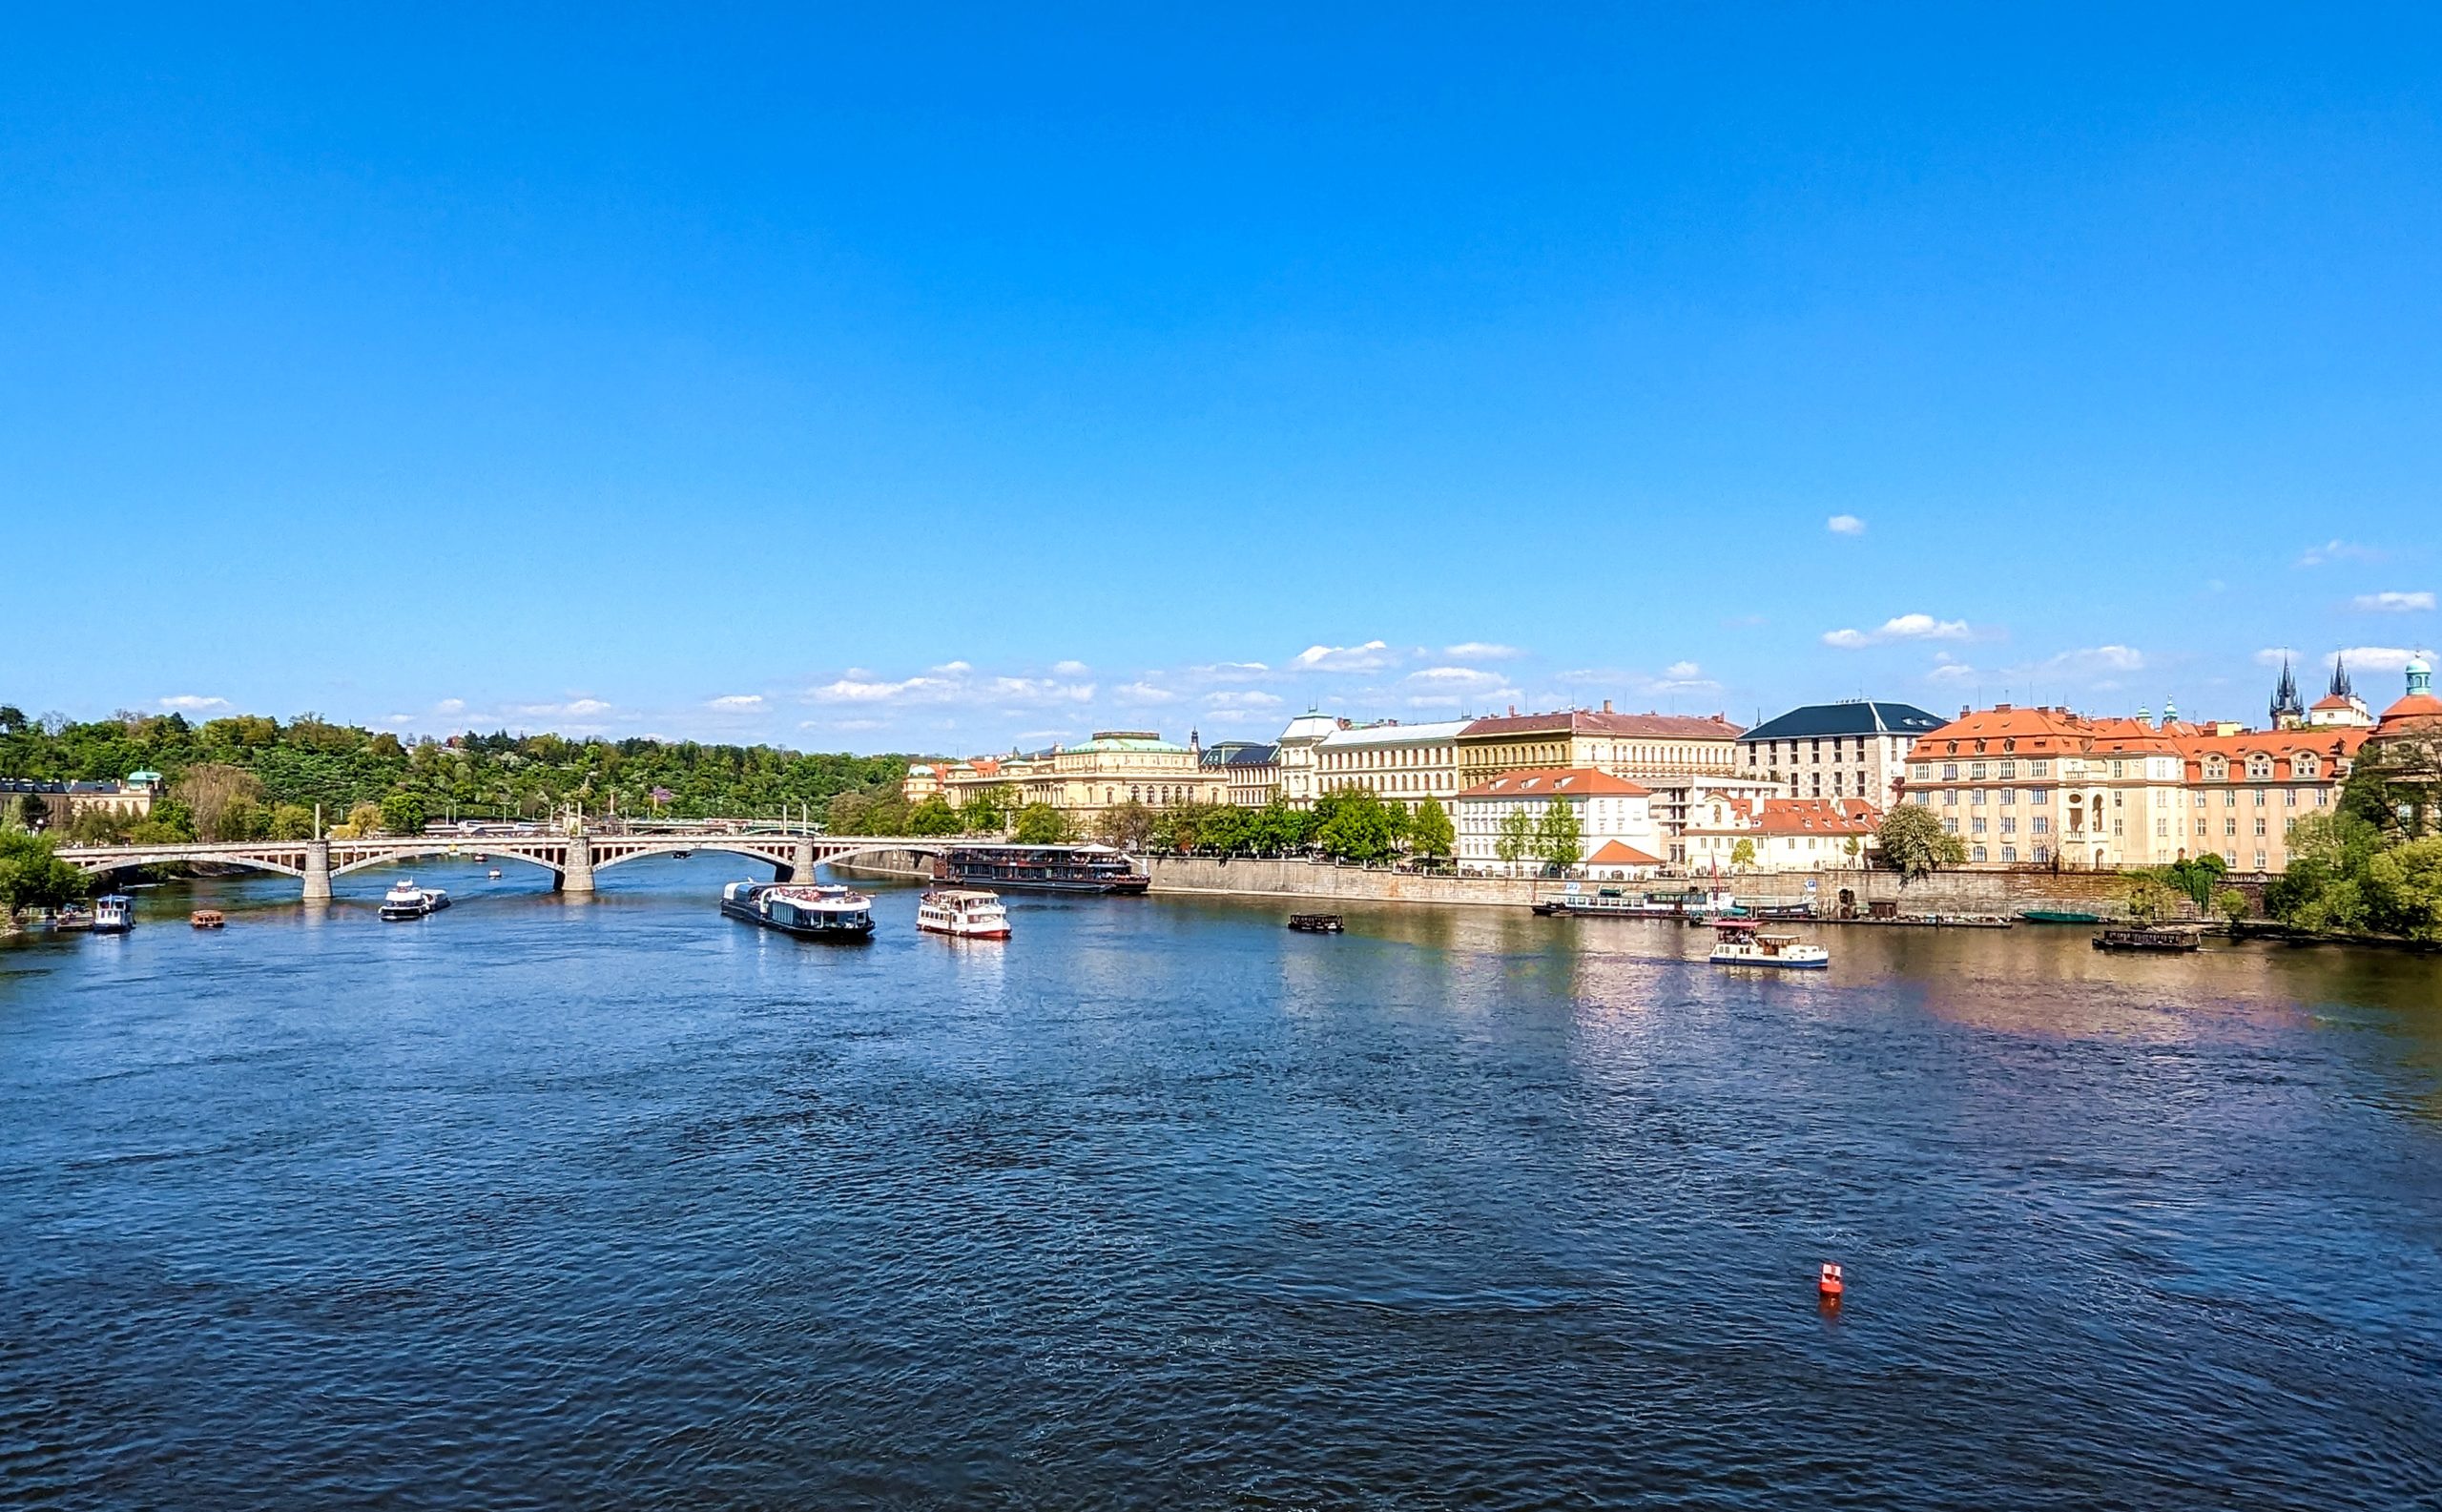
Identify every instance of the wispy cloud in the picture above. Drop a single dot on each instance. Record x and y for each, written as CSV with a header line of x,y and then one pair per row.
x,y
1899,628
1242,698
735,703
2092,661
1480,651
2373,659
1143,693
450,706
1844,525
2393,603
575,707
1951,675
2337,550
193,703
1372,657
1069,668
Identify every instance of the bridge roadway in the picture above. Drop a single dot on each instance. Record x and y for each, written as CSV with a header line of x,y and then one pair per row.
x,y
572,859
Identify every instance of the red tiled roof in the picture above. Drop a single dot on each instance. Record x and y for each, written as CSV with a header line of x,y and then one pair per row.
x,y
1555,782
2331,700
1802,816
1615,853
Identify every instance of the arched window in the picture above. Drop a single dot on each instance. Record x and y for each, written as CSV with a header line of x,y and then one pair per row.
x,y
2260,766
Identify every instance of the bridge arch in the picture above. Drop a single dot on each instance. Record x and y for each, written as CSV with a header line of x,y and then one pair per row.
x,y
782,856
824,856
442,852
107,866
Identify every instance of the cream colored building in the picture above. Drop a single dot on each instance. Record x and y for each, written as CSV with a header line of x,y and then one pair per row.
x,y
2025,786
1112,768
1681,760
1252,771
1781,835
1298,764
1400,763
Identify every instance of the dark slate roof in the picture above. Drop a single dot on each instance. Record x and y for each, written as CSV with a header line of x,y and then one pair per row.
x,y
1852,716
1240,753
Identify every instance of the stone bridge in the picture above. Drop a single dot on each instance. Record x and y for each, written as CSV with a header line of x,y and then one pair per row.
x,y
572,859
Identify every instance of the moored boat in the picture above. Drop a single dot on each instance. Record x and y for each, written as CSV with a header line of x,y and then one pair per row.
x,y
2163,939
965,912
207,919
1696,902
113,914
1743,942
72,918
2058,915
408,900
1317,923
1046,868
828,912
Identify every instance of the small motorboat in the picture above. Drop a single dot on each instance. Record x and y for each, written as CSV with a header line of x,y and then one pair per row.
x,y
1743,942
207,919
493,874
408,900
72,918
1317,923
2177,940
113,914
967,913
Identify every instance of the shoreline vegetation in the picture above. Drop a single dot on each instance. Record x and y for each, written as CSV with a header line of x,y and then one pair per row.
x,y
2368,872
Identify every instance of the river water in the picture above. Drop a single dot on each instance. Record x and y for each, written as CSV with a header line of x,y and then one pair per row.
x,y
612,1202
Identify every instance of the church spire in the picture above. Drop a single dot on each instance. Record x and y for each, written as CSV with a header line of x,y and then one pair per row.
x,y
2340,687
2285,703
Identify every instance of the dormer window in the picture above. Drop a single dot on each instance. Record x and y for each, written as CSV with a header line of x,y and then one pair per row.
x,y
2216,769
2009,745
2302,766
2259,766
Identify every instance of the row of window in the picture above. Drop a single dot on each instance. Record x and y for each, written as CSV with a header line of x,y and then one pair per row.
x,y
1383,756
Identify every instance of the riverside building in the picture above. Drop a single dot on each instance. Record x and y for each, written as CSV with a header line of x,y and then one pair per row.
x,y
1617,835
1252,771
1680,760
1399,763
1856,749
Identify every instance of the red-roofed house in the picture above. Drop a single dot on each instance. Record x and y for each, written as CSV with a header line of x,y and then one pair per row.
x,y
1782,835
1614,821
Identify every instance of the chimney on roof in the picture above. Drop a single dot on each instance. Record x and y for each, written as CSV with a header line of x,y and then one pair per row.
x,y
1607,706
1513,711
1964,710
2001,708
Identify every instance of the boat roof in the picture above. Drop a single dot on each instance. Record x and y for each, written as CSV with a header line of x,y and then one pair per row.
x,y
961,895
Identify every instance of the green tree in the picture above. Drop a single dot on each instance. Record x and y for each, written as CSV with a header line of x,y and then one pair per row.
x,y
32,813
1126,825
209,788
1743,854
402,814
2404,890
1559,839
984,811
1352,824
1041,824
933,816
1914,844
1431,835
2148,898
1513,840
32,876
1281,829
291,821
1228,829
2233,906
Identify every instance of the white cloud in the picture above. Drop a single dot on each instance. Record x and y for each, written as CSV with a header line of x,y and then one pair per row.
x,y
1901,626
1143,693
1682,670
2393,603
954,668
736,702
1844,525
1372,657
2092,661
2275,655
2337,550
862,687
1949,673
1069,668
2373,659
1232,671
450,706
191,702
1480,651
1242,698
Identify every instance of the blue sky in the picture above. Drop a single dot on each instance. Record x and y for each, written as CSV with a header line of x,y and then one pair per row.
x,y
959,378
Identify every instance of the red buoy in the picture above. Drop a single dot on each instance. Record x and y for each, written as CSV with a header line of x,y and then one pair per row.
x,y
1829,1286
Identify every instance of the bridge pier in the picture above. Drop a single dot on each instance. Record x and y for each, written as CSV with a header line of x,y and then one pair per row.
x,y
317,871
578,876
800,867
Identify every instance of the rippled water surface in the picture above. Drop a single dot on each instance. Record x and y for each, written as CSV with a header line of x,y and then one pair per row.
x,y
616,1203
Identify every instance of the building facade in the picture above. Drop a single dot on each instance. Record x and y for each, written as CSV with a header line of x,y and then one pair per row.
x,y
1402,764
1295,758
1251,769
1781,835
1856,749
1616,830
1114,768
2045,786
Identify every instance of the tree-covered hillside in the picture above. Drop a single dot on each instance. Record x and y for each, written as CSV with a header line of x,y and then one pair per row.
x,y
247,768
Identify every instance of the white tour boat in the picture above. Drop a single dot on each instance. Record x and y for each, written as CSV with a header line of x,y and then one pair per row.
x,y
408,900
1743,942
113,914
809,912
969,913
